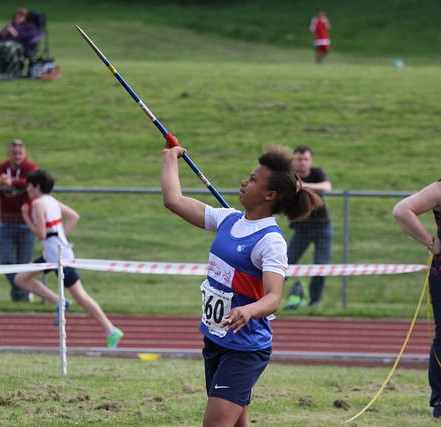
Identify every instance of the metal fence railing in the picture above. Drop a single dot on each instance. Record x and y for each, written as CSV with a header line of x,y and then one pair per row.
x,y
365,231
123,223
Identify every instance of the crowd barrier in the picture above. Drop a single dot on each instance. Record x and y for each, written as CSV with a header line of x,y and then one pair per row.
x,y
196,269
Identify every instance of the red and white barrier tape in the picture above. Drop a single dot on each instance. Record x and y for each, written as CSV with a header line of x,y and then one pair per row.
x,y
352,269
201,269
303,270
20,268
141,267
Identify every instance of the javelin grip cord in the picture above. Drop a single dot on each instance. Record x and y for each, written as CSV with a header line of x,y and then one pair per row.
x,y
171,139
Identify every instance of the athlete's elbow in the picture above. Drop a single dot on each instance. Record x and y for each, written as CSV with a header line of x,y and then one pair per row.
x,y
398,211
168,204
171,203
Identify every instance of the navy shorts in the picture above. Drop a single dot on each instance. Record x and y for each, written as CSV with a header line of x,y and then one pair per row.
x,y
231,374
70,274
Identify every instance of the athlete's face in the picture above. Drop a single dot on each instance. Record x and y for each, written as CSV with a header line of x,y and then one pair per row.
x,y
254,189
32,191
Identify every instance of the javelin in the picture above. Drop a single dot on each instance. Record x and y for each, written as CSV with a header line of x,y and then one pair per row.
x,y
171,139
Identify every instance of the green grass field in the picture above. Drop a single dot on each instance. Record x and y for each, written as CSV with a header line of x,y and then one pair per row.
x,y
227,78
170,393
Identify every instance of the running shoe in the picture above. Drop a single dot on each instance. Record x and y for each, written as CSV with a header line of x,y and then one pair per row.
x,y
114,338
297,297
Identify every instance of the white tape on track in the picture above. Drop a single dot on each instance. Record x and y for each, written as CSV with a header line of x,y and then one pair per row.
x,y
168,268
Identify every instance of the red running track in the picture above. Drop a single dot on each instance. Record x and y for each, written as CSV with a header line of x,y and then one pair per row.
x,y
301,340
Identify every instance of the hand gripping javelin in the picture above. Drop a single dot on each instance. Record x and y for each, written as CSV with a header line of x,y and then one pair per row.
x,y
171,139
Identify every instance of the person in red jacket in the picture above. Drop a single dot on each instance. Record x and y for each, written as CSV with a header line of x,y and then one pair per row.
x,y
16,239
320,27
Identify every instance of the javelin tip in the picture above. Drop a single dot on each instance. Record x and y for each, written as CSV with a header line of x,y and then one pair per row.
x,y
81,32
92,45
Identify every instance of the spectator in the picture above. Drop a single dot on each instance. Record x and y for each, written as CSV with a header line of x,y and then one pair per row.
x,y
407,213
246,271
46,222
320,27
20,29
16,44
16,239
316,229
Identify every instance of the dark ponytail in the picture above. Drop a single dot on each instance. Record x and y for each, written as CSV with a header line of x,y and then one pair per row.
x,y
292,200
303,202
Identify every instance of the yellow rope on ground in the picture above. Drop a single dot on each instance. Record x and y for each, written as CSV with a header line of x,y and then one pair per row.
x,y
389,376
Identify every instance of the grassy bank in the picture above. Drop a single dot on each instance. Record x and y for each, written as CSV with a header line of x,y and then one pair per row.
x,y
375,28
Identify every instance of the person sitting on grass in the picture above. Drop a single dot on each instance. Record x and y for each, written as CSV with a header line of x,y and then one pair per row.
x,y
45,221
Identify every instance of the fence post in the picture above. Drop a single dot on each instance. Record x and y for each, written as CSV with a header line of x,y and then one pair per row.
x,y
345,246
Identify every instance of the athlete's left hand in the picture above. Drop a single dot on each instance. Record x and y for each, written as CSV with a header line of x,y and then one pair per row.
x,y
237,318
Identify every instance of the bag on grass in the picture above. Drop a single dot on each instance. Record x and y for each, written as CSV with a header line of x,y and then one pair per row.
x,y
11,60
44,68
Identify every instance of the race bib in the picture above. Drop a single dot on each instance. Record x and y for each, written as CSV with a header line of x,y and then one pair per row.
x,y
215,305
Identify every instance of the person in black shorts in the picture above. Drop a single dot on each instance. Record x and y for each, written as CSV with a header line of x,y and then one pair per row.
x,y
247,264
50,220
